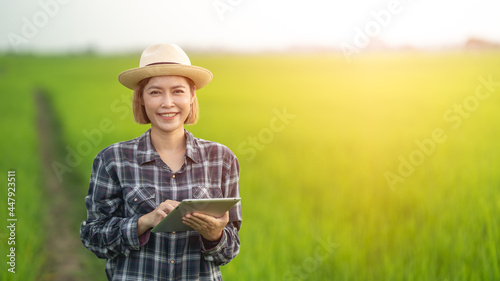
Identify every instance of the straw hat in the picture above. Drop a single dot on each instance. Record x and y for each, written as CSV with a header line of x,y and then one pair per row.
x,y
165,59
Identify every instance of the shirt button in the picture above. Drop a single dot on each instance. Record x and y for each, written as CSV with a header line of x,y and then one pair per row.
x,y
173,176
84,223
171,261
135,199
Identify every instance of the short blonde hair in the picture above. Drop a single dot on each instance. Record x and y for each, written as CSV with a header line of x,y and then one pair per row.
x,y
139,110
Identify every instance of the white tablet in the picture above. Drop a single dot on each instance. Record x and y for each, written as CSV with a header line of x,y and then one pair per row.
x,y
211,206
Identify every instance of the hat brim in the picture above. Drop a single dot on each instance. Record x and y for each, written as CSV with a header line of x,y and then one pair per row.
x,y
200,76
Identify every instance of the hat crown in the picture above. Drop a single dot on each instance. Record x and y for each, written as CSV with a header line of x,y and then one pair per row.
x,y
164,53
165,60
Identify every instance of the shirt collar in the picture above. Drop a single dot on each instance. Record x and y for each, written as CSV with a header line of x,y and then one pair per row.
x,y
146,152
145,149
192,150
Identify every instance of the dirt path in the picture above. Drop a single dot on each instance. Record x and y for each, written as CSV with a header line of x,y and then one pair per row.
x,y
63,262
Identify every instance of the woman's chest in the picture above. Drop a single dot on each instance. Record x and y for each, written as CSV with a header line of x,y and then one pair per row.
x,y
145,188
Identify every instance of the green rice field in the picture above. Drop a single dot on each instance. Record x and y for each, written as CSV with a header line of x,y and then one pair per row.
x,y
385,168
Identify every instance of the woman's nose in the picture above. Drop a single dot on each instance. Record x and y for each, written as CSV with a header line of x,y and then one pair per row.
x,y
167,101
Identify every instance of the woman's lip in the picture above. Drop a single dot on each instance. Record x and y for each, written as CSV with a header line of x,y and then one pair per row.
x,y
169,115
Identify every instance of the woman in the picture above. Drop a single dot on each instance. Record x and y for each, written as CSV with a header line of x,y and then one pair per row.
x,y
135,184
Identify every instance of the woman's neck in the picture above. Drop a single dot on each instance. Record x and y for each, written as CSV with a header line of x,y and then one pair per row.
x,y
174,141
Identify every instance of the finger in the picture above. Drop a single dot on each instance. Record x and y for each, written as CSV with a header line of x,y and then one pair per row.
x,y
164,205
167,207
210,218
202,216
208,221
172,202
225,217
190,223
162,213
196,225
169,204
156,216
223,220
195,220
201,225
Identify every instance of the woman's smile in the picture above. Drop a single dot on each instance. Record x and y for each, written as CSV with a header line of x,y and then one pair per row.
x,y
168,115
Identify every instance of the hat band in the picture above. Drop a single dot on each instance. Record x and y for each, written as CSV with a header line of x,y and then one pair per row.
x,y
155,63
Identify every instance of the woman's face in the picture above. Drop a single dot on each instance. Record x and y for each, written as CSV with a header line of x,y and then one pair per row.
x,y
167,100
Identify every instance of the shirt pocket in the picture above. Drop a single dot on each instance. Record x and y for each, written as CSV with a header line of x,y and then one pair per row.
x,y
141,200
207,191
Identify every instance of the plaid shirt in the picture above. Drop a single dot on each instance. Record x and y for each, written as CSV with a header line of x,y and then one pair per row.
x,y
129,180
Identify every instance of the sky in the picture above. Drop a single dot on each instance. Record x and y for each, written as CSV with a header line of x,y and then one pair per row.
x,y
114,26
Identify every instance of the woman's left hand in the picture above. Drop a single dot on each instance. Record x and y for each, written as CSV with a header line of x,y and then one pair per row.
x,y
209,227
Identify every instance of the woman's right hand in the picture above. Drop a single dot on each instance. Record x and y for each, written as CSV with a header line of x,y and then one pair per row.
x,y
153,218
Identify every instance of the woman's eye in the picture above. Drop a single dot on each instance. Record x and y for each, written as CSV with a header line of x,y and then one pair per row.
x,y
178,92
154,93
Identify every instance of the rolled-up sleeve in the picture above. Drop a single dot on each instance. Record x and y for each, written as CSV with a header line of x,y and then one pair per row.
x,y
106,232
